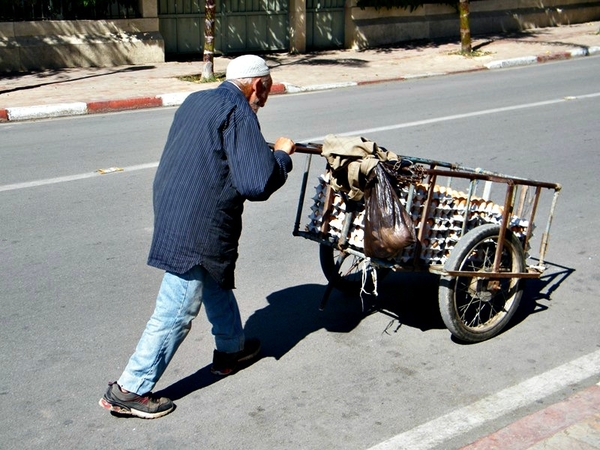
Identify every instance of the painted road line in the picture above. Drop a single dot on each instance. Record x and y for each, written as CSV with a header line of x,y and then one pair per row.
x,y
81,176
10,187
457,116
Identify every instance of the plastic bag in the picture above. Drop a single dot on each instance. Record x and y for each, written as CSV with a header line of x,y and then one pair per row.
x,y
388,226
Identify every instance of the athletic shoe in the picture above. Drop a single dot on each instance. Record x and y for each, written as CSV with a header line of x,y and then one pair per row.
x,y
227,363
145,406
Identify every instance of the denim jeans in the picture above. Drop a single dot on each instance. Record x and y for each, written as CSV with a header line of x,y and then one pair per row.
x,y
178,303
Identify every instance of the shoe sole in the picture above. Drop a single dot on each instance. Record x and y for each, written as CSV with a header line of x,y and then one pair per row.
x,y
250,356
132,411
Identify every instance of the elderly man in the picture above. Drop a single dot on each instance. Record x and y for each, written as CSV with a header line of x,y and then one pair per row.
x,y
214,159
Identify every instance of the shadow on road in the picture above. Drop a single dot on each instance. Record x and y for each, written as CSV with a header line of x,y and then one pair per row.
x,y
293,314
409,299
536,290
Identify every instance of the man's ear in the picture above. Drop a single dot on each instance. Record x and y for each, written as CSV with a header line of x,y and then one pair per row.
x,y
257,86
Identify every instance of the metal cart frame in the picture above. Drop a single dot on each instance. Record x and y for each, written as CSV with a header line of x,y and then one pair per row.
x,y
481,284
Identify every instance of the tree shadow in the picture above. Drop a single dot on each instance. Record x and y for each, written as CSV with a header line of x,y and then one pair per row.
x,y
479,41
62,76
319,58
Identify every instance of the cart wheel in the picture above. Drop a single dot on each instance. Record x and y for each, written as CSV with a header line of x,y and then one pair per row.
x,y
477,308
343,270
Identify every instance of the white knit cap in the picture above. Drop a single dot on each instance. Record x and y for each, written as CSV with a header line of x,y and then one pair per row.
x,y
247,66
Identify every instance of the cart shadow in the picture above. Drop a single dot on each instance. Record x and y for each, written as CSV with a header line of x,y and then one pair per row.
x,y
293,314
409,299
537,291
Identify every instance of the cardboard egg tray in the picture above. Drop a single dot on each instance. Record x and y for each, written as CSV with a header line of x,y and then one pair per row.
x,y
448,219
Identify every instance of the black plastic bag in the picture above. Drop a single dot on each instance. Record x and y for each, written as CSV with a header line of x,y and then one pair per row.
x,y
388,226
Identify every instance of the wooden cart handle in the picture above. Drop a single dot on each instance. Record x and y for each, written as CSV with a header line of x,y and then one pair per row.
x,y
312,149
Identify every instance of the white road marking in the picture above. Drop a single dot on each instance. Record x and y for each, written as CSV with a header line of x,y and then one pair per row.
x,y
458,116
460,421
12,187
81,176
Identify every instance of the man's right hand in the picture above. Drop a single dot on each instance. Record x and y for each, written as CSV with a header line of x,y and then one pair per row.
x,y
285,144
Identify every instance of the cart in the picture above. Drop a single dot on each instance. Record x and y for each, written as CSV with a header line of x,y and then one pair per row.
x,y
474,228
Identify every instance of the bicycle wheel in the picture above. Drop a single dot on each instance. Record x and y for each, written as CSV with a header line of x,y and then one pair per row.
x,y
477,308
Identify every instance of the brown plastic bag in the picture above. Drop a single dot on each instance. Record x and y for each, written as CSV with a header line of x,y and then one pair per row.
x,y
388,226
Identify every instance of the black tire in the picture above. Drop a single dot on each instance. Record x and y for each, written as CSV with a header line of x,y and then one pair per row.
x,y
478,308
343,270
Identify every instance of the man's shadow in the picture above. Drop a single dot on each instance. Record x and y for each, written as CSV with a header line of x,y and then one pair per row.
x,y
409,299
291,315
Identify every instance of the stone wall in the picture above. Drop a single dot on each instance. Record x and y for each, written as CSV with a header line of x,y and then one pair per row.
x,y
371,27
39,45
26,46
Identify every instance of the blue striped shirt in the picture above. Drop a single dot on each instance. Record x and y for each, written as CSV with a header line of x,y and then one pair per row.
x,y
214,159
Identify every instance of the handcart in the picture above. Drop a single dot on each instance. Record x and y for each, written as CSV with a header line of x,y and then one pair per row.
x,y
474,228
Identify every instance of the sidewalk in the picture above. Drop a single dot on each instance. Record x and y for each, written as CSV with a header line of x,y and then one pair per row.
x,y
92,90
571,424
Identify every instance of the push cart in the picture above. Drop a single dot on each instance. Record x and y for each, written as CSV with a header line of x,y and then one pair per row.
x,y
474,228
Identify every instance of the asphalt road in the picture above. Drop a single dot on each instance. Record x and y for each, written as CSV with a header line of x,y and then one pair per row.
x,y
76,292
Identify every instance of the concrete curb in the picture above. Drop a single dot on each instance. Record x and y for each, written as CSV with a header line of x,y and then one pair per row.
x,y
16,114
45,111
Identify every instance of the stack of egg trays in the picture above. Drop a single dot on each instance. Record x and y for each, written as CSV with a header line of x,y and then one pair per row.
x,y
335,216
443,226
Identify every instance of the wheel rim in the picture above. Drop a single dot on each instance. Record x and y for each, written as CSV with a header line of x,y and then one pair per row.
x,y
480,302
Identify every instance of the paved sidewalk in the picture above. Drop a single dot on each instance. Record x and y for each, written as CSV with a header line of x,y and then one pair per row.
x,y
571,424
92,90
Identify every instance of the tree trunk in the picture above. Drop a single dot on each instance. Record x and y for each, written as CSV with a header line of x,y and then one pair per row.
x,y
208,73
465,28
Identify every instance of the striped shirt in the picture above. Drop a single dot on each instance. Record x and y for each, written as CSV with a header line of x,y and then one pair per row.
x,y
214,159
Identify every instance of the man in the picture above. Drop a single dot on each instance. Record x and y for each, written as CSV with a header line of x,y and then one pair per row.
x,y
215,158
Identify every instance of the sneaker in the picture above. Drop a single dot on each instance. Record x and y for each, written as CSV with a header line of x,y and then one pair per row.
x,y
227,363
145,406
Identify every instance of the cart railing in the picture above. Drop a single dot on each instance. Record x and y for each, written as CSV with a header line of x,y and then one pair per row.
x,y
516,193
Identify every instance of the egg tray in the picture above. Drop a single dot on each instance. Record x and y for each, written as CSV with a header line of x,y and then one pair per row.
x,y
450,216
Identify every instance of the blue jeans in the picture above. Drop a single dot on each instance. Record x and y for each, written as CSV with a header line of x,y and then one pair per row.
x,y
178,303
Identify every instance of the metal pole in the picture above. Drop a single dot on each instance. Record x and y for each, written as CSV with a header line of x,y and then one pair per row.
x,y
302,195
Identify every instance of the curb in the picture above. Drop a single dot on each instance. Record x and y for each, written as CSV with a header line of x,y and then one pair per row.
x,y
558,423
24,113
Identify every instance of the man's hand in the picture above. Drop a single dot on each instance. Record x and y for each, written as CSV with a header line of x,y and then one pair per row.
x,y
285,144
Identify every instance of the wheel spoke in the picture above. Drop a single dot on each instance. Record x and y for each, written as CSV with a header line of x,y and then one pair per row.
x,y
354,267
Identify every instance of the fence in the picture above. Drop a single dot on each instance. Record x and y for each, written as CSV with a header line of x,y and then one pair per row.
x,y
30,10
